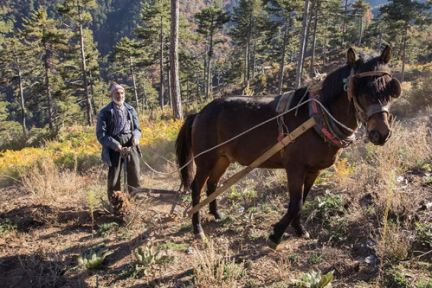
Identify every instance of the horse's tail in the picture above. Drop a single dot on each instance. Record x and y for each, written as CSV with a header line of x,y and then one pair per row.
x,y
184,152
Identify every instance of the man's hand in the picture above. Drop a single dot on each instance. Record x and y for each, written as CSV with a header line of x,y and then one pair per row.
x,y
119,148
135,142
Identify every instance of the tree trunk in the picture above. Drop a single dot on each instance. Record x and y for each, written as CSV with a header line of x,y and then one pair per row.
x,y
174,64
379,38
47,57
361,30
84,71
134,82
282,62
345,18
253,60
209,65
247,52
22,103
404,54
161,56
302,45
312,63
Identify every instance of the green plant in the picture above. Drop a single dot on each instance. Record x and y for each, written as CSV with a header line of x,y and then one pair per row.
x,y
106,228
147,257
314,279
325,207
424,233
396,279
93,257
7,226
315,258
424,283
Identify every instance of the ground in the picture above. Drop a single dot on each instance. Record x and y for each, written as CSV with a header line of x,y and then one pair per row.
x,y
43,235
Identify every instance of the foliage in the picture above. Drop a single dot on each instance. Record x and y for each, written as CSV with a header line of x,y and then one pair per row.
x,y
315,279
6,226
76,147
94,257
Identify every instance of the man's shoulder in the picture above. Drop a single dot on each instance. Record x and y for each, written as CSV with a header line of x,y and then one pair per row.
x,y
105,108
129,107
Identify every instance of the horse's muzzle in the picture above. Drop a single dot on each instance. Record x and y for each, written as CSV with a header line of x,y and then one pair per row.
x,y
377,138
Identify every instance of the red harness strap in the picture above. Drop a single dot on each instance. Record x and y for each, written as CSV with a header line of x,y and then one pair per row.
x,y
321,128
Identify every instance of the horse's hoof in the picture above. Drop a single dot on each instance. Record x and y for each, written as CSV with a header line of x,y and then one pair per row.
x,y
219,216
201,236
272,245
301,232
305,235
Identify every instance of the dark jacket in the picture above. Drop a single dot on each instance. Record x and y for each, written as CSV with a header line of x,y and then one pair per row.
x,y
105,127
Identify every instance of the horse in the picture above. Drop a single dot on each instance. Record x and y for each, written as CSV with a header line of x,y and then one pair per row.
x,y
360,91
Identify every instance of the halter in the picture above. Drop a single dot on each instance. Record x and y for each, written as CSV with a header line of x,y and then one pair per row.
x,y
363,115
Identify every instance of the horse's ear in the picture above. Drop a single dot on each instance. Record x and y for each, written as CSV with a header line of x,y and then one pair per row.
x,y
386,54
351,57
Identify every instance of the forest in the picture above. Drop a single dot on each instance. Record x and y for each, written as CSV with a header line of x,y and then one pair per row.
x,y
369,214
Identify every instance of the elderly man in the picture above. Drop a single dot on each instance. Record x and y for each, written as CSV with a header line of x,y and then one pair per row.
x,y
119,132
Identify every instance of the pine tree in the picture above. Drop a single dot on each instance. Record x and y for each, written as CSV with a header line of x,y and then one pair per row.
x,y
174,63
248,21
79,14
210,20
126,54
154,34
361,10
45,39
400,17
280,26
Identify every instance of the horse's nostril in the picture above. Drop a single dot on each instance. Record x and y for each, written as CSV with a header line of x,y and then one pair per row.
x,y
374,136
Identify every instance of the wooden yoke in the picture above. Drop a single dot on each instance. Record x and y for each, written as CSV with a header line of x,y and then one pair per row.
x,y
264,157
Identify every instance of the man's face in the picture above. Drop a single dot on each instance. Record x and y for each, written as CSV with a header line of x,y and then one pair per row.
x,y
119,96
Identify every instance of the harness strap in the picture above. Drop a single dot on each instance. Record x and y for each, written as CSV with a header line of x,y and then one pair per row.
x,y
325,128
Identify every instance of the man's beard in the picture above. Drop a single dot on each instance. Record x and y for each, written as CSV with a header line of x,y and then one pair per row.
x,y
118,102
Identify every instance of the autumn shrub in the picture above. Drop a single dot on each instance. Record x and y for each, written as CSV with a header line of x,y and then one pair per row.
x,y
76,148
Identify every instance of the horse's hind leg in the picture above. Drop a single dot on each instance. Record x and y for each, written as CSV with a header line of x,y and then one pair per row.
x,y
296,222
218,170
198,183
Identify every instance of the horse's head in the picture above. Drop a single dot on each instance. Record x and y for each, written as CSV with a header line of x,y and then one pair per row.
x,y
371,87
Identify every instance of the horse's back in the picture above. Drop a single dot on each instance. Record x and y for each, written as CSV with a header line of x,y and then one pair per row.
x,y
225,118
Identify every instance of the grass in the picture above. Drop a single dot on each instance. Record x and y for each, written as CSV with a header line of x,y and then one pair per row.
x,y
337,214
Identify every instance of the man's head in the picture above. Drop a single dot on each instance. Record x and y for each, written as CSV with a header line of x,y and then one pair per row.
x,y
117,93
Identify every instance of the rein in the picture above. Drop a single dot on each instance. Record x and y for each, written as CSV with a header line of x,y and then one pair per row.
x,y
362,114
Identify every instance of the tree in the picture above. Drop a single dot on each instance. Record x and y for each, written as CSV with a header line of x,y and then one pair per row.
x,y
14,56
154,35
174,65
126,54
248,21
401,16
210,20
362,11
79,14
45,39
282,20
303,44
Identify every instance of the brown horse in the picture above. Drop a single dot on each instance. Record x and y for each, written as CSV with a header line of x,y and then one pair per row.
x,y
361,91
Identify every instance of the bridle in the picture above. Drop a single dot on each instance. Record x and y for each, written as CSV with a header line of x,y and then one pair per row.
x,y
364,114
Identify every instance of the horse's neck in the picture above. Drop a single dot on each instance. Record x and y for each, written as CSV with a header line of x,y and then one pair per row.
x,y
343,110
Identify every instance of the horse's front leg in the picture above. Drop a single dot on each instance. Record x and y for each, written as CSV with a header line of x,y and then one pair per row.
x,y
296,177
310,178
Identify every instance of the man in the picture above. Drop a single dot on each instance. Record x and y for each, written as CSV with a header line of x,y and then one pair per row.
x,y
119,132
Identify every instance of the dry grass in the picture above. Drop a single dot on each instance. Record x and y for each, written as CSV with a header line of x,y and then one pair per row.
x,y
47,182
215,268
